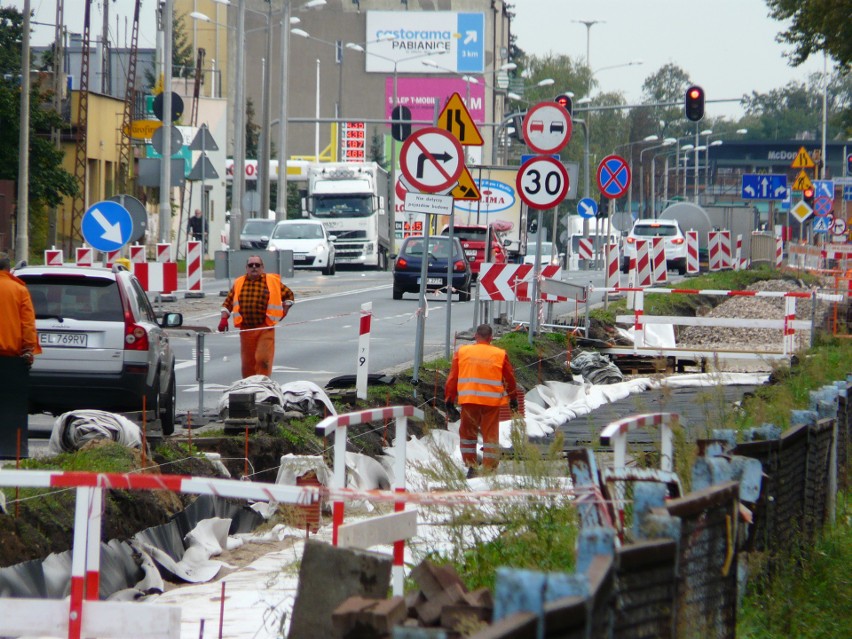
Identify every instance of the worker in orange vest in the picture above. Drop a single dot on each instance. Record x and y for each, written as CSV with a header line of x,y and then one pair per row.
x,y
258,301
482,380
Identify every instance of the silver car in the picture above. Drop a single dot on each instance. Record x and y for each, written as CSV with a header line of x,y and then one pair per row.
x,y
103,346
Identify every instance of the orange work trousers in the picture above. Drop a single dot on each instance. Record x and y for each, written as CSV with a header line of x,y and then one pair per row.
x,y
476,419
257,351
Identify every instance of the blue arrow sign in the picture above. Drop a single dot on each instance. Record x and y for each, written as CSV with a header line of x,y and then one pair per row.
x,y
824,188
822,224
107,226
758,186
587,207
847,193
787,202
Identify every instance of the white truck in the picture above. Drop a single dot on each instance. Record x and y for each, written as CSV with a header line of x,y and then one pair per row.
x,y
350,199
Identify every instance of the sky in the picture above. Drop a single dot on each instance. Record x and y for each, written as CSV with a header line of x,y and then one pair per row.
x,y
726,46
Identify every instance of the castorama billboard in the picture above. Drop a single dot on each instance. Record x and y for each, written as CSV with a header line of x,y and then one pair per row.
x,y
399,41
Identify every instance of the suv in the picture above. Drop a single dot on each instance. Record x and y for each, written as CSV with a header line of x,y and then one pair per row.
x,y
675,243
473,240
406,266
255,233
102,346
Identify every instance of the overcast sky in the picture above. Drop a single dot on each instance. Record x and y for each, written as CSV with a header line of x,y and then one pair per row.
x,y
727,46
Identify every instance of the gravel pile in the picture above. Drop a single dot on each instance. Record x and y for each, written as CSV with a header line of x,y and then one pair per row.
x,y
755,339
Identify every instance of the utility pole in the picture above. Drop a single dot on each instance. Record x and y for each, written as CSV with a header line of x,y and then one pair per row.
x,y
166,161
22,218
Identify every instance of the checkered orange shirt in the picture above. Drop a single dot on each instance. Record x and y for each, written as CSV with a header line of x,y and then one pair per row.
x,y
254,297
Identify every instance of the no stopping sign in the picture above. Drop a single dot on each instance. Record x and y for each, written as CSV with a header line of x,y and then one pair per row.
x,y
542,182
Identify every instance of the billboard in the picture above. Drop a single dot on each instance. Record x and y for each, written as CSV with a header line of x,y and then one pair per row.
x,y
421,94
399,41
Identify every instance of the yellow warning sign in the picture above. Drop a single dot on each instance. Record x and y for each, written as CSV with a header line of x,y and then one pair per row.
x,y
143,129
455,119
802,161
466,188
802,181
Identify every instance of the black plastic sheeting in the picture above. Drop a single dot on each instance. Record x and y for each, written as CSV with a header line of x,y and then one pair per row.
x,y
122,566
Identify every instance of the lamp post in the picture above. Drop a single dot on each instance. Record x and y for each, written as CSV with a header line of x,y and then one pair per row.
x,y
642,207
678,161
628,145
715,143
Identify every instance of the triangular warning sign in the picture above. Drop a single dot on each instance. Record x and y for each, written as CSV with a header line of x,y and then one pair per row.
x,y
203,141
203,170
456,119
466,188
803,160
802,181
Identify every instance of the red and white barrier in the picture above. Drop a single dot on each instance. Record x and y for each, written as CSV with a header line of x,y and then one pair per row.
x,y
692,263
631,282
714,251
194,268
338,424
511,282
85,256
362,366
53,257
138,254
779,252
644,272
110,257
658,260
615,435
725,247
157,277
613,277
164,252
585,248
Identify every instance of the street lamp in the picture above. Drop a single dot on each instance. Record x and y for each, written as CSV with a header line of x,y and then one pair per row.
x,y
665,142
628,145
707,162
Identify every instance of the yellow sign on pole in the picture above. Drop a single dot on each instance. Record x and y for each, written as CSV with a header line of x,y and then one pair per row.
x,y
455,119
802,160
802,181
143,129
466,188
801,211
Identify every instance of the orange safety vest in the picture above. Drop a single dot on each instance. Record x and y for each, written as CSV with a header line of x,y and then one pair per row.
x,y
274,306
481,375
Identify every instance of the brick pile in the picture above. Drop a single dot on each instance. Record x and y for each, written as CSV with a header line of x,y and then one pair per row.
x,y
440,601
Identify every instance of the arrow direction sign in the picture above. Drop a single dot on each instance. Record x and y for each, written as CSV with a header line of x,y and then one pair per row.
x,y
764,186
587,207
106,226
824,188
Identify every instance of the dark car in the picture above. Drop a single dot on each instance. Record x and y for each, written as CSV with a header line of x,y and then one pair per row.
x,y
473,241
103,347
256,233
407,265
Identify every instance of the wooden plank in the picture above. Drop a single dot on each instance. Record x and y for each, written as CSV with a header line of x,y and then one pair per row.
x,y
377,531
723,322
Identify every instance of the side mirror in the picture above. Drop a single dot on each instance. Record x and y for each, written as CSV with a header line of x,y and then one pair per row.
x,y
332,238
507,242
171,320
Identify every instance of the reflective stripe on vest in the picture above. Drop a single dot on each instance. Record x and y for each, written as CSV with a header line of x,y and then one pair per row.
x,y
274,305
481,375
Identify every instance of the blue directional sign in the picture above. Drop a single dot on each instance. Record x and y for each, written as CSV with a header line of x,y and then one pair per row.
x,y
824,188
758,186
107,226
587,207
822,224
787,202
470,47
847,193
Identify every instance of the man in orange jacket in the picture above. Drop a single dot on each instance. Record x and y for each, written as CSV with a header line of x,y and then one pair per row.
x,y
258,301
482,379
18,346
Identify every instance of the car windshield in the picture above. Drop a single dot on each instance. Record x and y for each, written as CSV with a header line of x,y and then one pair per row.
x,y
438,247
546,248
75,298
655,230
258,227
327,206
467,234
297,232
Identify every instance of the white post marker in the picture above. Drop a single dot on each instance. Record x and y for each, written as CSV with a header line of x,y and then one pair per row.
x,y
194,269
53,257
363,365
85,256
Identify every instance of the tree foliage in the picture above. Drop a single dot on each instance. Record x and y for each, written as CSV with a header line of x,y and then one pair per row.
x,y
183,63
816,26
11,29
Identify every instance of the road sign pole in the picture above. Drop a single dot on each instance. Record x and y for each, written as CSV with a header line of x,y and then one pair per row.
x,y
534,283
421,309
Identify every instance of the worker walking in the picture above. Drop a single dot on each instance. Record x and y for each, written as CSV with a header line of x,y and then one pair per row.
x,y
18,346
257,301
482,380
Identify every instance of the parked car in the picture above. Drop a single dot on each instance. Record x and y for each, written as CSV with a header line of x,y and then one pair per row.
x,y
440,253
547,254
102,345
649,229
255,233
312,246
473,239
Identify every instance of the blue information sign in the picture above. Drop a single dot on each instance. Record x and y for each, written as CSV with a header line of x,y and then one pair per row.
x,y
587,207
107,226
822,224
758,186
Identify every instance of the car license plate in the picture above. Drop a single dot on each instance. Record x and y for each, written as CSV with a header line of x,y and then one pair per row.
x,y
471,254
64,340
300,258
433,281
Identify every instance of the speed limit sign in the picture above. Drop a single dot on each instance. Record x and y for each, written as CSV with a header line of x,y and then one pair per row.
x,y
542,182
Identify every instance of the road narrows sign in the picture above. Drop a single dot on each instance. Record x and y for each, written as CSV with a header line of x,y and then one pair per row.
x,y
431,159
455,118
547,127
542,182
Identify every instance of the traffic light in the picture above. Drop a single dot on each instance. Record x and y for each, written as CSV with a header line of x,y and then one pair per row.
x,y
603,207
566,102
401,123
808,196
694,103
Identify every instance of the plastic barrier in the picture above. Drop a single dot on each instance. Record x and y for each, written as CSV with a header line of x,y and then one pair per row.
x,y
692,262
194,269
53,257
85,256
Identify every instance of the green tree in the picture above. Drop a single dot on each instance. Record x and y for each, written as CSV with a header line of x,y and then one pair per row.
x,y
252,131
11,28
183,62
816,26
667,85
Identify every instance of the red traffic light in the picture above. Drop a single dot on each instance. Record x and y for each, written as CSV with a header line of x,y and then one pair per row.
x,y
694,103
564,100
695,93
808,193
